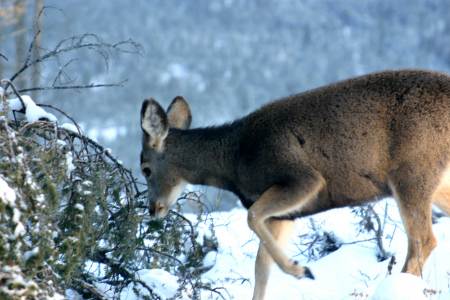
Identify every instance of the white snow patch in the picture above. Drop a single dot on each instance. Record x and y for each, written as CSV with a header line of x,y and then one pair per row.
x,y
56,296
61,143
73,295
401,286
210,259
69,164
33,112
79,207
162,282
7,194
15,104
30,254
352,272
87,183
20,229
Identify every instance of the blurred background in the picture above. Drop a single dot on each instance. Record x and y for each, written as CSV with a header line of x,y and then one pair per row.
x,y
227,57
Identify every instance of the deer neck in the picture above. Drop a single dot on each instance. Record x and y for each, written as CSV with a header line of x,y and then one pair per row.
x,y
204,155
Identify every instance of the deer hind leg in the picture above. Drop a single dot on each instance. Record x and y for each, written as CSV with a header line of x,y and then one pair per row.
x,y
281,230
280,201
413,191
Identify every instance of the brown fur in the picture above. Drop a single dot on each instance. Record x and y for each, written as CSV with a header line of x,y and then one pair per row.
x,y
344,144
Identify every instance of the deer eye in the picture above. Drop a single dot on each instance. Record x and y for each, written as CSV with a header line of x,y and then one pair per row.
x,y
147,172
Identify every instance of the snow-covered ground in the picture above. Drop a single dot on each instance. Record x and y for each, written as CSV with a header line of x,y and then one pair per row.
x,y
351,272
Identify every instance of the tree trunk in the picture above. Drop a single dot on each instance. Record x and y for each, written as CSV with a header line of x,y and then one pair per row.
x,y
2,33
20,38
36,70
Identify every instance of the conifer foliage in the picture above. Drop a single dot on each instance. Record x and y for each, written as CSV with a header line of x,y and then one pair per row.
x,y
71,216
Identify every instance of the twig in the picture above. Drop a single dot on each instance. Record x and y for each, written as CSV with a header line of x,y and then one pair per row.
x,y
32,46
379,233
16,92
79,42
91,289
73,87
100,256
61,72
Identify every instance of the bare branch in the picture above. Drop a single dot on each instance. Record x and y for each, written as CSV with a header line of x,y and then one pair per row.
x,y
100,256
10,84
32,46
74,87
379,233
90,289
85,41
3,56
61,72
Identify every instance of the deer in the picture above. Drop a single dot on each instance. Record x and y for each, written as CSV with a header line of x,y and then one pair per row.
x,y
344,144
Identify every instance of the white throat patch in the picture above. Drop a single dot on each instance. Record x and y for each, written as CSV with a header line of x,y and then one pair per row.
x,y
176,192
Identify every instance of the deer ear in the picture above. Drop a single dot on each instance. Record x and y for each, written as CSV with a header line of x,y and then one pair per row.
x,y
179,113
154,123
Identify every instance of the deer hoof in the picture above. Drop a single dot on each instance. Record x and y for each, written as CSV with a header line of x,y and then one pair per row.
x,y
308,274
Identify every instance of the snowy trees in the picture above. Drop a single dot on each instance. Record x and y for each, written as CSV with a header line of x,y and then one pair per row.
x,y
71,215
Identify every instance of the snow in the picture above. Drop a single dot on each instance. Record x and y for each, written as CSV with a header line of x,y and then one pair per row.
x,y
79,207
69,164
15,104
56,296
61,143
30,254
350,273
87,183
8,197
33,112
401,286
162,282
73,295
210,259
7,194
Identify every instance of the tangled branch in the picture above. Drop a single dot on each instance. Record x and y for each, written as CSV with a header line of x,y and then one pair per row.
x,y
88,41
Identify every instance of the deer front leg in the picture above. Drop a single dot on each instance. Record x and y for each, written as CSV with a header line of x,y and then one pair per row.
x,y
281,230
279,201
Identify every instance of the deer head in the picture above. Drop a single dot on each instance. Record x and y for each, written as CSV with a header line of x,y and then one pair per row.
x,y
163,179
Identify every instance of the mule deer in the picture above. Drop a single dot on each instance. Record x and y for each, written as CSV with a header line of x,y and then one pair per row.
x,y
344,144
